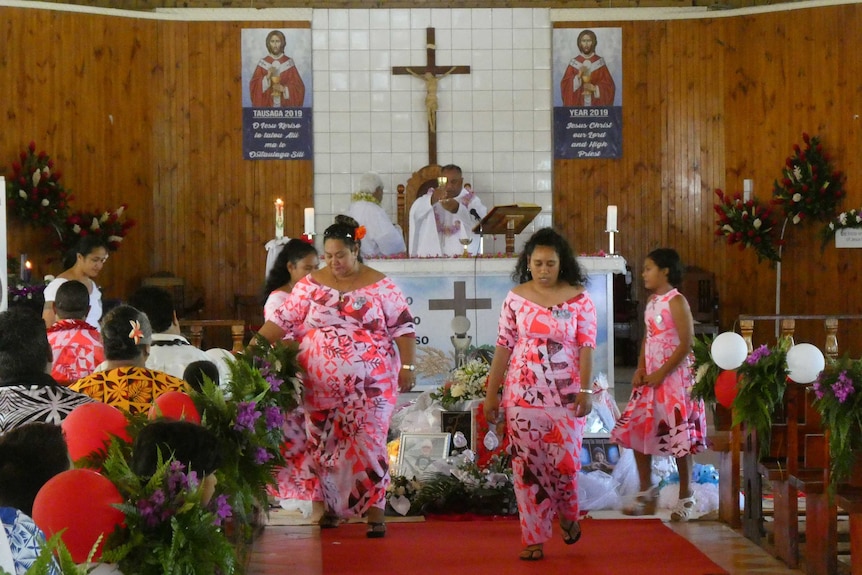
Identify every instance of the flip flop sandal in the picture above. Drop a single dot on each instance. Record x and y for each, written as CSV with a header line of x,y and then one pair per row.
x,y
376,530
531,553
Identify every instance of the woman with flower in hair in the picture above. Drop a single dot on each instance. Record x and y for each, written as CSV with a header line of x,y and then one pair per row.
x,y
126,383
357,348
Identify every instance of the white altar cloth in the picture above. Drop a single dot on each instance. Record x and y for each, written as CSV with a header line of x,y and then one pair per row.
x,y
438,289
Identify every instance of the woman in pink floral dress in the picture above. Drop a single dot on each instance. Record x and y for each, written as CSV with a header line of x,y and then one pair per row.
x,y
661,418
546,337
357,347
296,260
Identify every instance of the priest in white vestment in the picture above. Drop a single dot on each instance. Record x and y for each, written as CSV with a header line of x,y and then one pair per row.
x,y
382,237
442,217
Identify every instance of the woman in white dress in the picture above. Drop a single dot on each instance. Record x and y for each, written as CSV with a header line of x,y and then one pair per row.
x,y
82,264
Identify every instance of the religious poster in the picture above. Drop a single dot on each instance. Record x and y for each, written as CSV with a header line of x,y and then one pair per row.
x,y
587,80
276,94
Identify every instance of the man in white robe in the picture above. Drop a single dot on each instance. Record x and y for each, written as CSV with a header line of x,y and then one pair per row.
x,y
382,237
441,218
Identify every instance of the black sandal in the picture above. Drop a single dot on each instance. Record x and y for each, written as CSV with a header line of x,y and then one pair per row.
x,y
532,553
572,533
376,530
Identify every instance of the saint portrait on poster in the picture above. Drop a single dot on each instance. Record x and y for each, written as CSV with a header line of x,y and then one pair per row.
x,y
277,93
587,80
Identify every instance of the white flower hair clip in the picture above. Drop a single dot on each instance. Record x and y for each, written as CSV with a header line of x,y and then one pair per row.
x,y
136,333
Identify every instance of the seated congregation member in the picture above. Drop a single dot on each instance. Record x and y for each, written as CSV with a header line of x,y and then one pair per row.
x,y
76,344
296,260
197,371
27,392
21,543
196,447
382,237
126,383
170,352
30,455
441,217
83,263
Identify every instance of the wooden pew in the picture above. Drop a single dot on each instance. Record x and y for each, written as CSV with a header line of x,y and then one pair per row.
x,y
195,329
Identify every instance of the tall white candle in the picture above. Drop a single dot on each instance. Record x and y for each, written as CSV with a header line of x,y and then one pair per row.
x,y
612,219
309,221
279,219
747,189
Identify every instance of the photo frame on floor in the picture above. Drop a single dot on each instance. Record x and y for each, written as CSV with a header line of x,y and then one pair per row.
x,y
599,454
418,451
452,422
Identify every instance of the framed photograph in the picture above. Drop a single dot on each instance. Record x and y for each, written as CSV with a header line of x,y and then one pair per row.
x,y
454,421
599,454
419,450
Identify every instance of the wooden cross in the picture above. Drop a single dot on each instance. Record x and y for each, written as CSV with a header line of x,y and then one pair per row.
x,y
431,74
460,303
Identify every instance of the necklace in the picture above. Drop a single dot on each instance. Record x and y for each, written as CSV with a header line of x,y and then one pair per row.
x,y
348,286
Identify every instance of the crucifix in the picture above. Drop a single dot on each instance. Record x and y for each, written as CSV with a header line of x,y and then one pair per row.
x,y
430,74
460,303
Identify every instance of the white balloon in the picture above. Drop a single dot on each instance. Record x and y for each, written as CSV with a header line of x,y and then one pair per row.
x,y
804,363
728,350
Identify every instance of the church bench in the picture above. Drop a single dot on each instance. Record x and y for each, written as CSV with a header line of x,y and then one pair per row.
x,y
821,515
849,499
728,445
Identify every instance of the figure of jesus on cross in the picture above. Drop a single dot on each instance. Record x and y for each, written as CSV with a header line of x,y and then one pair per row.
x,y
431,74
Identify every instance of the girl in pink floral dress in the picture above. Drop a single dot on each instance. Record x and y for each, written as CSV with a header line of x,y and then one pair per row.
x,y
293,481
661,418
544,350
357,348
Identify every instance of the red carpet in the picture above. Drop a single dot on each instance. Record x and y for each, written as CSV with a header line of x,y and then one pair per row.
x,y
607,547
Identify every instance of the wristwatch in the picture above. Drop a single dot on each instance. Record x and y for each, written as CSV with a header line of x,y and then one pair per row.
x,y
408,366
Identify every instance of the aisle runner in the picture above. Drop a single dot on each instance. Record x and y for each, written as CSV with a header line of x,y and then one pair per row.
x,y
608,547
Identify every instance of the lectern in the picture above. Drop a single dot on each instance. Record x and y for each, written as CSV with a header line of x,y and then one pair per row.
x,y
509,220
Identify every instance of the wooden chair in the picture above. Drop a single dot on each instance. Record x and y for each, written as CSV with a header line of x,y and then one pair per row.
x,y
248,309
698,287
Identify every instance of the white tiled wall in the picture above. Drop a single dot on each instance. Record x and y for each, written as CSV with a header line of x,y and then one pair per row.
x,y
495,122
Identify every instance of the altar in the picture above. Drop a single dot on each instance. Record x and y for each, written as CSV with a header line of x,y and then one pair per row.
x,y
440,289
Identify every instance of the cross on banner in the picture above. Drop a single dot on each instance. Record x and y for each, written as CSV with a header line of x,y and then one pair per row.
x,y
430,74
460,303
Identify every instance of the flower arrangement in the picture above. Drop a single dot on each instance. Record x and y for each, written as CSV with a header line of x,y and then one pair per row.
x,y
33,190
749,224
401,495
810,188
167,528
247,417
839,401
469,488
763,379
465,383
705,370
844,221
110,226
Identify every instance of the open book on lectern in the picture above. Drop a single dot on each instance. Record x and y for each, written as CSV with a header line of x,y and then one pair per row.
x,y
507,219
